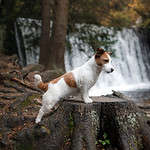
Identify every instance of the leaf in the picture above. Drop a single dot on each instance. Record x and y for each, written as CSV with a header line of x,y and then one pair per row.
x,y
107,141
103,143
105,135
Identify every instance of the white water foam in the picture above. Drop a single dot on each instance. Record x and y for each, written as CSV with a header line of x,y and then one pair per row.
x,y
130,71
130,66
29,33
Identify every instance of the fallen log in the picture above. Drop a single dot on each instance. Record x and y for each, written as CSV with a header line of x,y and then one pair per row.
x,y
6,91
77,126
9,76
27,85
14,86
8,97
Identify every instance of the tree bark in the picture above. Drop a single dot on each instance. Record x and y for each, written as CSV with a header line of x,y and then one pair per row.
x,y
58,38
45,36
83,124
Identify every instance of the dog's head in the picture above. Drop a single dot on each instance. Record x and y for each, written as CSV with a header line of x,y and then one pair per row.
x,y
103,59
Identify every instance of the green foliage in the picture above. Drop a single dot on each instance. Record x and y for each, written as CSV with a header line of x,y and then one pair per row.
x,y
146,23
120,20
88,14
116,13
71,123
105,141
93,36
13,9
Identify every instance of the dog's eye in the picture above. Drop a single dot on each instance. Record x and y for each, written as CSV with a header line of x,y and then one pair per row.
x,y
106,60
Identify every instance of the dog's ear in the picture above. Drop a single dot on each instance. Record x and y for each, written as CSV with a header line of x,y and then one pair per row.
x,y
110,53
99,52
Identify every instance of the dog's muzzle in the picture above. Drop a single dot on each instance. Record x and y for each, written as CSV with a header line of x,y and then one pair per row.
x,y
111,70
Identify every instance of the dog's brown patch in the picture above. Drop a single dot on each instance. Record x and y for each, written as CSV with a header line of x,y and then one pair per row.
x,y
102,59
69,79
43,86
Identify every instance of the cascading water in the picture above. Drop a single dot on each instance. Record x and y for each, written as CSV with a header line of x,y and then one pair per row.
x,y
21,51
131,68
31,30
132,61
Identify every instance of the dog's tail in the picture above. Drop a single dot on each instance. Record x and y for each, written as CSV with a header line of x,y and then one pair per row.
x,y
39,83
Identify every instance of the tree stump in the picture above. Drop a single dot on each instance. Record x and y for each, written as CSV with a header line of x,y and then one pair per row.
x,y
112,123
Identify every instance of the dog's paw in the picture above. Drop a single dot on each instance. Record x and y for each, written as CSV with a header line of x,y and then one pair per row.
x,y
88,100
37,120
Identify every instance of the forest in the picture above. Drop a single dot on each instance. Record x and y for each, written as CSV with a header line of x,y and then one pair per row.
x,y
112,13
53,37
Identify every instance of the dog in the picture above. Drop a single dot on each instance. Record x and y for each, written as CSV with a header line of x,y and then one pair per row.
x,y
78,80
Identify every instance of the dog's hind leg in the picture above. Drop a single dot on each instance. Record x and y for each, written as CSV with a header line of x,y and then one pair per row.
x,y
44,110
40,114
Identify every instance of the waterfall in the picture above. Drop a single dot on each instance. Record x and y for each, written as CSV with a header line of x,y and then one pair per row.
x,y
132,60
21,51
131,64
31,30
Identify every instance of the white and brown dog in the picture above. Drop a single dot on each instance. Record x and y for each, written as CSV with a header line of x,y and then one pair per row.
x,y
80,79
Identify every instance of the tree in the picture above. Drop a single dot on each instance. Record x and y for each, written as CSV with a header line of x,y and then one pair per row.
x,y
58,38
53,48
45,36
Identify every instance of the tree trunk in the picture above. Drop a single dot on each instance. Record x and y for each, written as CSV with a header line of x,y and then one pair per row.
x,y
45,37
77,126
58,38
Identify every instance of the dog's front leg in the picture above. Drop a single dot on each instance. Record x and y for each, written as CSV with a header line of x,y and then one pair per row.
x,y
85,95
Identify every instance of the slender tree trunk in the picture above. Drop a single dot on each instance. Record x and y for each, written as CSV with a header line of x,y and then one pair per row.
x,y
45,37
57,45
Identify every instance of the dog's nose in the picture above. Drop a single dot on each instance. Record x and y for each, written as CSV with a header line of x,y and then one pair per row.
x,y
112,69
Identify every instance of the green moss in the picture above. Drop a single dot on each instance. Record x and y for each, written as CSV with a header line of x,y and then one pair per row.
x,y
71,123
28,101
128,124
46,129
